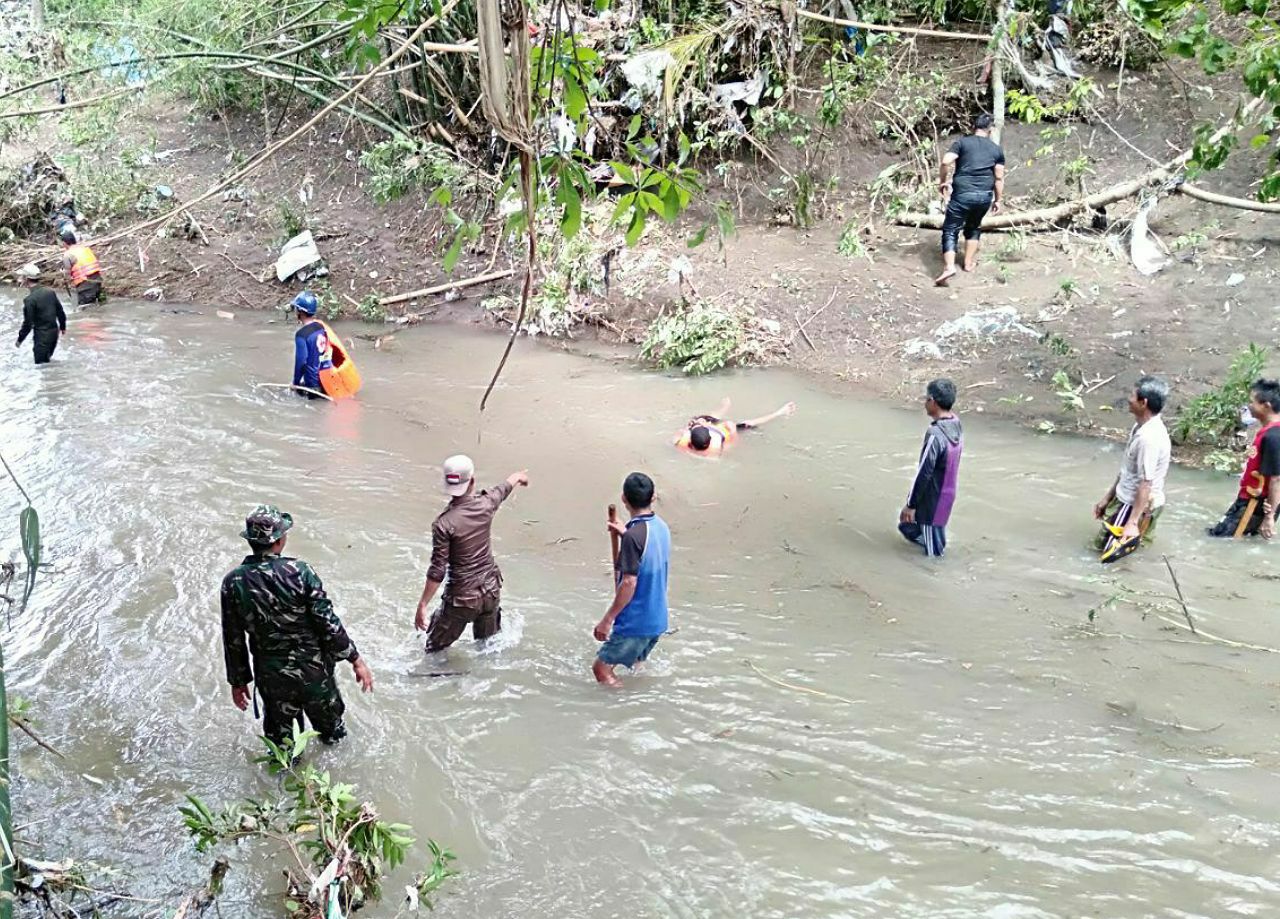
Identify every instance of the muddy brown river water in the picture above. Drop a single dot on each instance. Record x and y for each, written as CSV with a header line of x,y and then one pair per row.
x,y
999,756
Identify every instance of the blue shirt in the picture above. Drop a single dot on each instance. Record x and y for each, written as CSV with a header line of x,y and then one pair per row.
x,y
311,354
645,552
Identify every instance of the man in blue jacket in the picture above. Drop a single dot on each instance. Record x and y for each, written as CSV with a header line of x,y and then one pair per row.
x,y
637,617
311,351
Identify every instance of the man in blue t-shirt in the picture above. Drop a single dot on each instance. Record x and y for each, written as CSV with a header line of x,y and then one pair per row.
x,y
637,618
311,351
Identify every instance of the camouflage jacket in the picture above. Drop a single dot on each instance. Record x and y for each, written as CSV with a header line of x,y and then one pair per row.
x,y
294,637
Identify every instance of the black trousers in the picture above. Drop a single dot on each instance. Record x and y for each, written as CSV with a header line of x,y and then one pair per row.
x,y
964,211
89,291
43,344
1231,520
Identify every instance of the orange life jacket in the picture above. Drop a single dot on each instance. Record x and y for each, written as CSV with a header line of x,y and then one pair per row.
x,y
342,379
723,436
84,264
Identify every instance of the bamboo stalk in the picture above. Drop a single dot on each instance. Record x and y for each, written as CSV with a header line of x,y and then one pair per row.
x,y
445,288
897,30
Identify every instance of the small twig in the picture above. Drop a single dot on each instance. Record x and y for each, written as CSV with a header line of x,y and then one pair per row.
x,y
816,313
803,334
1186,612
1099,385
22,725
814,692
239,269
983,383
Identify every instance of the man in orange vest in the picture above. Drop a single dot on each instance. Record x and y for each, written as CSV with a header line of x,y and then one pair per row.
x,y
1253,513
712,435
81,266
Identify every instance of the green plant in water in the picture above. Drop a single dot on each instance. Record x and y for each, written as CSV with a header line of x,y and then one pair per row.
x,y
324,826
1212,417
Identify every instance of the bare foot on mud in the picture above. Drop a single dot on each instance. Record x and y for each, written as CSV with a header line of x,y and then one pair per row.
x,y
969,266
942,279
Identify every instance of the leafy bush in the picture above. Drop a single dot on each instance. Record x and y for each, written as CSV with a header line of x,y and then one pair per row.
x,y
400,165
702,337
339,845
1212,417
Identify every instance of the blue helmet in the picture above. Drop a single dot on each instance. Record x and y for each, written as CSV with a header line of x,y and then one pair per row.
x,y
306,302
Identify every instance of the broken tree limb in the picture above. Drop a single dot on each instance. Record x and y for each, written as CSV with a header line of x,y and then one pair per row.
x,y
1117,192
1244,204
445,288
897,30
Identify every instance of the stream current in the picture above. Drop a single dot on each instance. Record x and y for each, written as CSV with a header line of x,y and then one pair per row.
x,y
998,755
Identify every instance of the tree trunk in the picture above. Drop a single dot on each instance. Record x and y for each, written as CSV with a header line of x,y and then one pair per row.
x,y
997,69
37,15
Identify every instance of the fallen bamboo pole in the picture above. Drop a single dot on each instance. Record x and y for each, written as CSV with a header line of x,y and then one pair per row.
x,y
897,30
445,288
1212,197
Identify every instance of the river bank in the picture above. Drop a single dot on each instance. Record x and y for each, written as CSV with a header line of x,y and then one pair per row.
x,y
866,319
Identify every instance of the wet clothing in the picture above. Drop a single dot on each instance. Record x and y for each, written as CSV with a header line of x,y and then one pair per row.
x,y
294,640
645,553
88,292
462,560
933,492
1231,520
973,187
311,354
964,212
1261,463
1146,459
621,651
449,622
1117,514
43,319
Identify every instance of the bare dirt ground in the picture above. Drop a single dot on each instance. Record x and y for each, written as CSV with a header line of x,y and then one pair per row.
x,y
862,323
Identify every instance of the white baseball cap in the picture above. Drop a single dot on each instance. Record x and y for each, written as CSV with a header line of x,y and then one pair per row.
x,y
458,473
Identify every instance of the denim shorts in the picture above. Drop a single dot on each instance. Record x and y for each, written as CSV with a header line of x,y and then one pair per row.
x,y
628,650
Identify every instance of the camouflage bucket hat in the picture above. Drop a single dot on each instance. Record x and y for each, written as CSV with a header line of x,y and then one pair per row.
x,y
266,524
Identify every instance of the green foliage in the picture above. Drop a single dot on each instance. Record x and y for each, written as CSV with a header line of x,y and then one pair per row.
x,y
291,217
29,528
854,79
371,309
1013,246
850,244
400,165
1240,40
1067,393
1032,109
702,337
1212,417
1058,346
1223,461
323,825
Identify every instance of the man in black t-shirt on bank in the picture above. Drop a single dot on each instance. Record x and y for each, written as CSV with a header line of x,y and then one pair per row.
x,y
972,182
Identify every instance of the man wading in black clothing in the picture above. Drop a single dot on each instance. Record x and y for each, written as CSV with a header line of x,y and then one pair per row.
x,y
42,317
972,182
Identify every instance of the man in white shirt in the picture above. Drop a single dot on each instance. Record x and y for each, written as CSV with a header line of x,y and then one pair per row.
x,y
1135,499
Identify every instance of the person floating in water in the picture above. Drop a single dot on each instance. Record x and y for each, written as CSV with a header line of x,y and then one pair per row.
x,y
923,520
294,637
42,316
81,266
712,435
637,617
1253,513
971,180
1133,503
462,555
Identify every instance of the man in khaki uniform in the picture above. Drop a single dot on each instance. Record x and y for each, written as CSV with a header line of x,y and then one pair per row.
x,y
461,551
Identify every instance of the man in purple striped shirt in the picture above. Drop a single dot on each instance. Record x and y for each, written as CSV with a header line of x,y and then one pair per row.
x,y
923,520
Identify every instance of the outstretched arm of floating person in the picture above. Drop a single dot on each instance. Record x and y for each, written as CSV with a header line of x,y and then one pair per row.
x,y
788,409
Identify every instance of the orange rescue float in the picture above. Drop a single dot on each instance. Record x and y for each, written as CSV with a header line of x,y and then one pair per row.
x,y
342,380
723,435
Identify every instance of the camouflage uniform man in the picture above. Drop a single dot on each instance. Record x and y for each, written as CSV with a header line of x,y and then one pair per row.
x,y
294,638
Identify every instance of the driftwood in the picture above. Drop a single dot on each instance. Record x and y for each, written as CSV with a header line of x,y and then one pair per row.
x,y
1244,204
1049,215
445,288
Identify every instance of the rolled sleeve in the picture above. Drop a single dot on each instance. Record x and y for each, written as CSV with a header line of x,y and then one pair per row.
x,y
440,538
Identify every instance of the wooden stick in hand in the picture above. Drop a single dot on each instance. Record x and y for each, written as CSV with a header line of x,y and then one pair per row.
x,y
615,541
